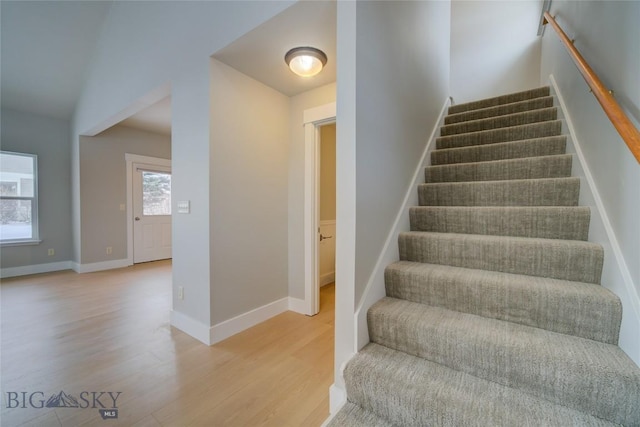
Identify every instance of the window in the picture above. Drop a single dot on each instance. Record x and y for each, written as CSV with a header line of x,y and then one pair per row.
x,y
18,197
156,193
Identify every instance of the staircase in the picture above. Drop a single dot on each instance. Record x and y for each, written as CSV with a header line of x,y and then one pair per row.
x,y
494,315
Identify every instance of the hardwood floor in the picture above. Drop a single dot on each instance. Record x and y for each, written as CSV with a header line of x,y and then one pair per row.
x,y
109,332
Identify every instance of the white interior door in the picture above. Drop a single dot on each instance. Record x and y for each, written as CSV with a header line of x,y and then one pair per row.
x,y
151,213
327,252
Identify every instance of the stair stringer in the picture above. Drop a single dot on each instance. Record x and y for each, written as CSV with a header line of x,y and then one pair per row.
x,y
375,289
615,273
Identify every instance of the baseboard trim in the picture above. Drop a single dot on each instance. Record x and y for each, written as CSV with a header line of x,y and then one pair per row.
x,y
298,305
228,328
210,335
327,278
375,285
628,341
100,266
337,398
191,326
35,269
328,420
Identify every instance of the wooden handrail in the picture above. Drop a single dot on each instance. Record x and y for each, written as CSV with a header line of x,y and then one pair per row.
x,y
612,109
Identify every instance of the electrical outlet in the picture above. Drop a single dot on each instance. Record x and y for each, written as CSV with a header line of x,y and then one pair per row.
x,y
51,252
109,250
180,292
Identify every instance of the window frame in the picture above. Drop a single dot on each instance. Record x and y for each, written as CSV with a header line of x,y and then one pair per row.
x,y
35,229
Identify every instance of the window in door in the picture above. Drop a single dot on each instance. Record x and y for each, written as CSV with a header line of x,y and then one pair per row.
x,y
156,193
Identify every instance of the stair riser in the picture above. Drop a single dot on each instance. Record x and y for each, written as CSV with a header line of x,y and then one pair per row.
x,y
518,107
517,119
501,151
528,192
543,364
570,223
558,259
578,309
500,100
411,392
516,133
528,168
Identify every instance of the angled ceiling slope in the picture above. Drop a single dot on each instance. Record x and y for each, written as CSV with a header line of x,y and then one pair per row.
x,y
46,52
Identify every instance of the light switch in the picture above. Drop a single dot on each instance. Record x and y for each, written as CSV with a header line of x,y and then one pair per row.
x,y
184,207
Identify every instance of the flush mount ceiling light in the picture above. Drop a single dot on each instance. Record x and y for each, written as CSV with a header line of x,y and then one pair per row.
x,y
305,61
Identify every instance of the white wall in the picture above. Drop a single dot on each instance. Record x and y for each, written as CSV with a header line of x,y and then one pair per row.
x,y
344,346
402,84
313,98
49,139
103,187
606,34
190,181
145,50
494,47
393,80
248,172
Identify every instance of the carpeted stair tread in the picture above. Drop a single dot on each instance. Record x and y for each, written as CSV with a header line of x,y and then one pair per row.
x,y
492,136
574,308
557,259
500,100
412,392
548,365
508,120
546,146
545,222
558,166
494,314
500,110
352,415
521,192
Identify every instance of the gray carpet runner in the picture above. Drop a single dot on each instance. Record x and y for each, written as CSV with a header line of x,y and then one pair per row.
x,y
494,315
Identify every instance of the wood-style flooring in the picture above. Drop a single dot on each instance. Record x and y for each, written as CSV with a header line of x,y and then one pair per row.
x,y
109,332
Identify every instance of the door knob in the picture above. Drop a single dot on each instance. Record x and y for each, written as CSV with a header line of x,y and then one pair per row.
x,y
324,237
137,218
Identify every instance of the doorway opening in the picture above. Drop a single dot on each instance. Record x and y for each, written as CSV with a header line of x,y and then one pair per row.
x,y
327,202
317,240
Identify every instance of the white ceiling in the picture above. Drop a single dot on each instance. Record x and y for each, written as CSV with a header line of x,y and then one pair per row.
x,y
156,118
260,53
47,50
